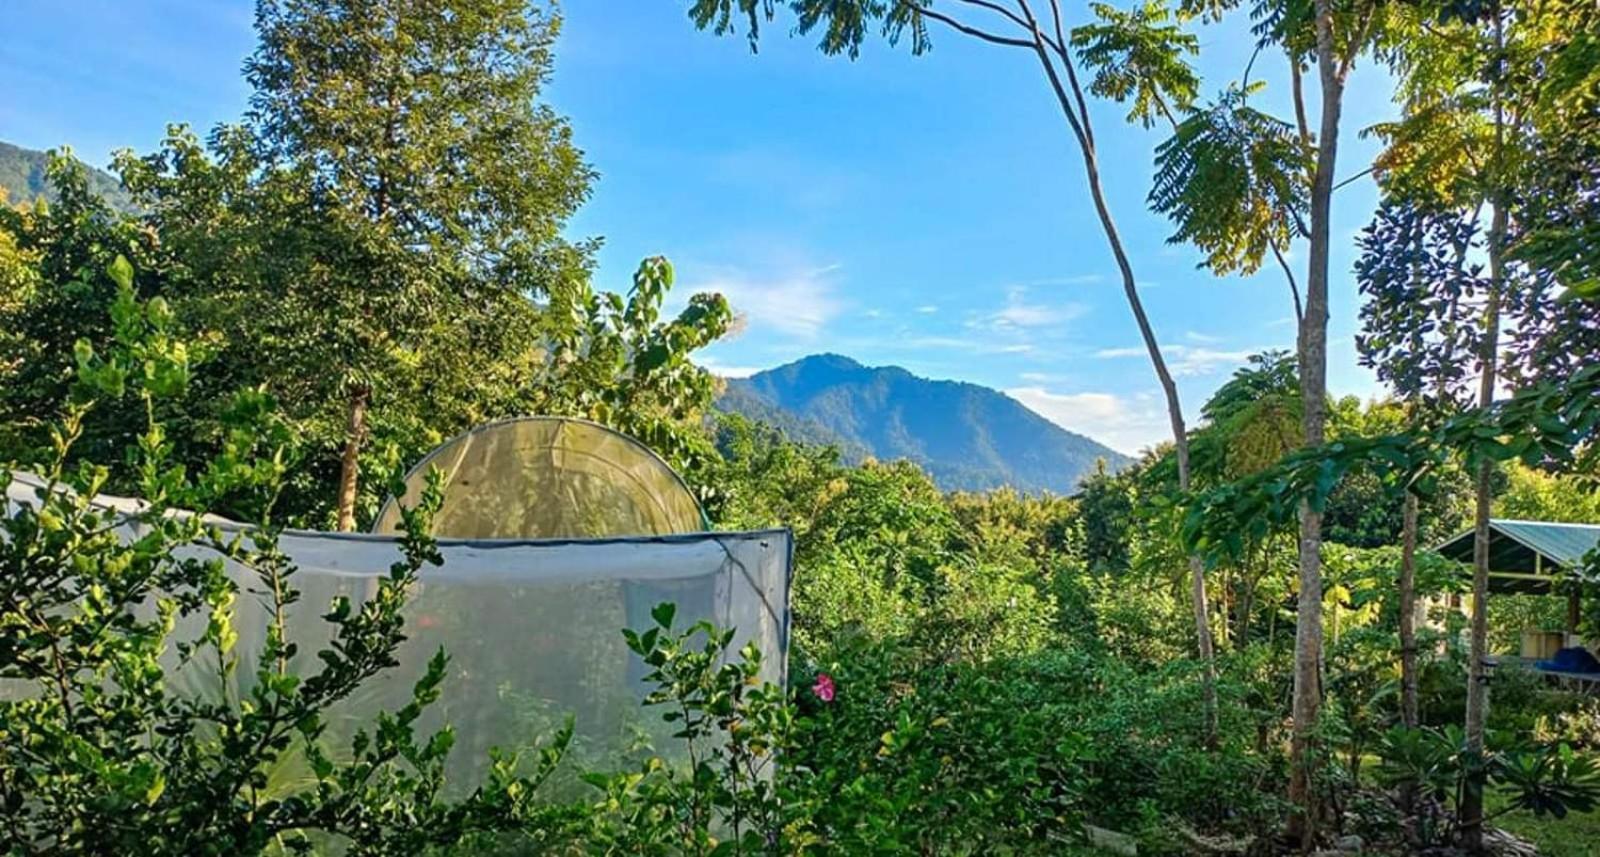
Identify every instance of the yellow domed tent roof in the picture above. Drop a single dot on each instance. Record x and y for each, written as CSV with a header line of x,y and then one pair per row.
x,y
550,477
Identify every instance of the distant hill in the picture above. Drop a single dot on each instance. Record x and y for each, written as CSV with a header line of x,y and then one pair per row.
x,y
22,174
966,436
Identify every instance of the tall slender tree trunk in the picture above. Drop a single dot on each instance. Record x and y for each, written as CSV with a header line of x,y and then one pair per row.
x,y
1477,672
1180,441
1313,359
350,463
1083,132
1408,613
1408,632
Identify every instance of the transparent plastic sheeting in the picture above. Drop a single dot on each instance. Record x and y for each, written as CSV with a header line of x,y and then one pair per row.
x,y
549,477
532,627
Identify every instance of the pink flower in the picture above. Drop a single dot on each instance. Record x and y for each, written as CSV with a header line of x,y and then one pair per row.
x,y
824,687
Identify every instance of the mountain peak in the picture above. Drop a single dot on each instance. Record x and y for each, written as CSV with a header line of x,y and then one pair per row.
x,y
826,359
968,437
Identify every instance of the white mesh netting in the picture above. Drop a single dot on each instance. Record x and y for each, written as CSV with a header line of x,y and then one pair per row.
x,y
532,627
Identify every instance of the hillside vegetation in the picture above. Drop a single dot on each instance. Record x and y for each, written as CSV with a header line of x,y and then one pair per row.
x,y
25,177
967,437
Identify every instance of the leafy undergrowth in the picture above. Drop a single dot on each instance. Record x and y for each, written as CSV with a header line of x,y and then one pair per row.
x,y
1574,836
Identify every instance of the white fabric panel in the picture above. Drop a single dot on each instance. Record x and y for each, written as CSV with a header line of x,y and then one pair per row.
x,y
532,627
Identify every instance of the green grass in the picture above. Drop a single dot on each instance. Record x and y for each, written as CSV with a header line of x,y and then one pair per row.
x,y
1573,836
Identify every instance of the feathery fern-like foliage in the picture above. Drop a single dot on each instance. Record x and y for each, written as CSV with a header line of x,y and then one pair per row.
x,y
1233,180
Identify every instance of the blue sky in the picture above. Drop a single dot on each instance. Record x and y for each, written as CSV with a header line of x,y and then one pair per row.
x,y
928,212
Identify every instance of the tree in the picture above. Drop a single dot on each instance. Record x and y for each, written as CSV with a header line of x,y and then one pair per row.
x,y
385,260
1465,144
400,191
55,292
1138,56
1420,317
103,751
1251,422
1239,183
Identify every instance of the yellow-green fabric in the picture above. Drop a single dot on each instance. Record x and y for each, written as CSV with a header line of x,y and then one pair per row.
x,y
550,477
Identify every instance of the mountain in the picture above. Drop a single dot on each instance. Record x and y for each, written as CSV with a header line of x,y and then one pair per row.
x,y
22,175
966,436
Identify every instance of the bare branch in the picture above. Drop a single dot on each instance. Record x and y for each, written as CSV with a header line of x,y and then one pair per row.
x,y
1061,33
1161,104
973,31
1038,45
1244,81
1288,274
1358,176
1059,45
998,9
1297,90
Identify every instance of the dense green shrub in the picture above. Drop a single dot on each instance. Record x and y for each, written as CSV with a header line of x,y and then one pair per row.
x,y
100,752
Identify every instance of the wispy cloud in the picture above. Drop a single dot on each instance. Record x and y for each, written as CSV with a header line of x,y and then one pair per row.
x,y
1125,423
795,303
971,345
1205,338
928,309
1019,313
1074,280
717,367
1187,359
1204,361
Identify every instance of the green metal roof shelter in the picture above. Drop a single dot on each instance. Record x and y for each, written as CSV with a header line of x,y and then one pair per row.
x,y
1531,557
1528,557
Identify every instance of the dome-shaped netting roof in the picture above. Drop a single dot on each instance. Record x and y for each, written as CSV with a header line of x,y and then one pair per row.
x,y
550,477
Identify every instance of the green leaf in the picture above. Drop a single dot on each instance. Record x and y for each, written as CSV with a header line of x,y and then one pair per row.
x,y
663,614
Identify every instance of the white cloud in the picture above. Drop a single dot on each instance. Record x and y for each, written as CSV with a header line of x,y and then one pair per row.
x,y
1204,361
1204,338
927,309
716,367
970,345
1074,280
1185,360
797,303
955,342
1125,423
1019,314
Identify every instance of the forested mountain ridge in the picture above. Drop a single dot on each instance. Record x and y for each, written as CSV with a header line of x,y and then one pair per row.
x,y
22,174
968,437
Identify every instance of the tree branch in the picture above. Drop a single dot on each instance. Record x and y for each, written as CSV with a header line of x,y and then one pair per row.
x,y
1357,177
1354,47
1060,47
999,10
1038,45
1297,89
973,31
1244,81
1288,274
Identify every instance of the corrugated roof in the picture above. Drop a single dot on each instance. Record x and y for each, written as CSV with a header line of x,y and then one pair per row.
x,y
1518,550
1564,543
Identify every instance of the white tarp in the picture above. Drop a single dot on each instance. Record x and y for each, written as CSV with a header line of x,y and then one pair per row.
x,y
532,627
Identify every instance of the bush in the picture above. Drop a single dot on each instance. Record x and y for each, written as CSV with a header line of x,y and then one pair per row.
x,y
100,752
